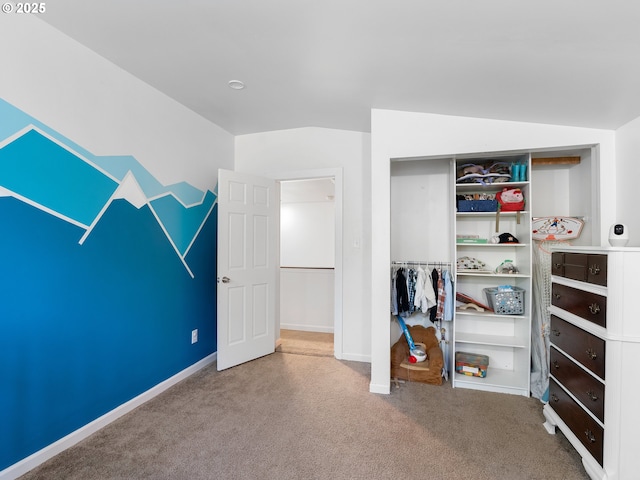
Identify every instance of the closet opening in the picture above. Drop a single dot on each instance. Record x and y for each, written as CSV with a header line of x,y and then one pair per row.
x,y
428,225
307,266
421,240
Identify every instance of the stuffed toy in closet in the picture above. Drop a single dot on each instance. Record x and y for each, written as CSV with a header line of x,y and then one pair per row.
x,y
429,371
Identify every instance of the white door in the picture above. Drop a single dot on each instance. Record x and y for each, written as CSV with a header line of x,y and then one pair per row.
x,y
247,266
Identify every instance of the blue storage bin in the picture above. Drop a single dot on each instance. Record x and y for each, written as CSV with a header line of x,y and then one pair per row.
x,y
477,205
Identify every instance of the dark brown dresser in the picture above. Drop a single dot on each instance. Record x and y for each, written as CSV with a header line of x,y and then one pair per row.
x,y
594,389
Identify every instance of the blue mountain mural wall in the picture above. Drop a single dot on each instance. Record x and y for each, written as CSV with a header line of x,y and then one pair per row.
x,y
105,272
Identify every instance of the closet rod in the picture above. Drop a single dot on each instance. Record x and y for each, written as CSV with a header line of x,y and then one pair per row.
x,y
413,262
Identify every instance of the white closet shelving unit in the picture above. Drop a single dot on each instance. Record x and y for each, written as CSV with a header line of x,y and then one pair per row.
x,y
504,338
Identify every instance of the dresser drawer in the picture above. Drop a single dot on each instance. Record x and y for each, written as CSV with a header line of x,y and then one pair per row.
x,y
587,305
588,431
584,267
583,386
584,348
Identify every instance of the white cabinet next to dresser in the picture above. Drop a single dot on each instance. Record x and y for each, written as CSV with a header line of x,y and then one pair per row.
x,y
594,391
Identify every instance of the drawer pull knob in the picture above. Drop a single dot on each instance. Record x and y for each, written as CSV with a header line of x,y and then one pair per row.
x,y
556,365
594,308
592,354
592,395
555,398
594,269
590,436
555,331
557,266
556,296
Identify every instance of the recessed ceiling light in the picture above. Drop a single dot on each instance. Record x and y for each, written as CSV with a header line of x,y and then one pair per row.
x,y
236,84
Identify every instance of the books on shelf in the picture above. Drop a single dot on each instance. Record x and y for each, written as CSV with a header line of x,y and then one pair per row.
x,y
470,239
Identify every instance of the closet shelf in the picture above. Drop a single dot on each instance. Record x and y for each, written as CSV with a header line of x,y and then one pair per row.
x,y
497,340
493,275
496,380
491,214
492,245
475,313
470,187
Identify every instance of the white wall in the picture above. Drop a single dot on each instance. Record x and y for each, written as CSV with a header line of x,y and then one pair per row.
x,y
403,135
306,299
307,231
627,179
105,109
277,154
307,255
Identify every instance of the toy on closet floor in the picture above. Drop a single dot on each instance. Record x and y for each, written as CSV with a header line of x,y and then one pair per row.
x,y
428,371
417,353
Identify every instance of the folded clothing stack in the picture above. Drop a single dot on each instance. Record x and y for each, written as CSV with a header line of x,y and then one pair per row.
x,y
484,174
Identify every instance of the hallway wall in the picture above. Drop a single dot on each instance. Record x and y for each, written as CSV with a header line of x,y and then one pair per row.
x,y
304,149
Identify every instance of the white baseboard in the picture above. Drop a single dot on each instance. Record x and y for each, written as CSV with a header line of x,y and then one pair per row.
x,y
307,328
32,461
383,389
353,357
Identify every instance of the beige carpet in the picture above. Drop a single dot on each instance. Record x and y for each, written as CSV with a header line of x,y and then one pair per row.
x,y
306,343
306,417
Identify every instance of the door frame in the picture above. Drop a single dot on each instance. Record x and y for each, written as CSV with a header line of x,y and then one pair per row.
x,y
336,174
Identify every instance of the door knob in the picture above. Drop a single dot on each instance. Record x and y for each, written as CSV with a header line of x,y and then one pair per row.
x,y
224,279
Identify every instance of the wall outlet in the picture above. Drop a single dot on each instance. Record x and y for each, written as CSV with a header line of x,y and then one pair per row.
x,y
194,336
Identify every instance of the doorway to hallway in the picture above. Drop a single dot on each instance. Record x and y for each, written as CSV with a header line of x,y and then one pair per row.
x,y
310,313
298,342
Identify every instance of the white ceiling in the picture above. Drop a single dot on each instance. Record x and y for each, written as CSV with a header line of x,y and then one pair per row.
x,y
327,63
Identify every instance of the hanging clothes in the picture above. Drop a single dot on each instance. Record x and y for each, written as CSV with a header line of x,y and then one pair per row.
x,y
411,288
434,283
415,290
448,293
425,297
441,298
394,293
403,294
